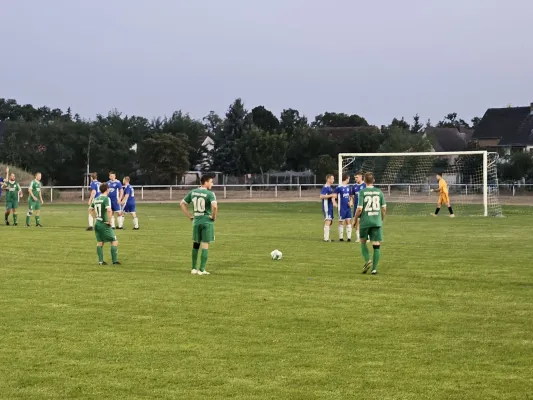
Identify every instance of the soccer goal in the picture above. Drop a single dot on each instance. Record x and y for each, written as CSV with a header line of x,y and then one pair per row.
x,y
407,179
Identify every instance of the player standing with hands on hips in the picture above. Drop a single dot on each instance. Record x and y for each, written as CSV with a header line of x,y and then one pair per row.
x,y
371,208
203,228
35,200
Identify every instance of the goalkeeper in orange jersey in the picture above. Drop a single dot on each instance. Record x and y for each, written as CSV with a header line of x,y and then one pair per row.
x,y
444,197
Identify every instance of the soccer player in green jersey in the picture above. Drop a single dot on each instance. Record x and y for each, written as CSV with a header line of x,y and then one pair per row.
x,y
372,208
13,195
35,199
101,211
205,213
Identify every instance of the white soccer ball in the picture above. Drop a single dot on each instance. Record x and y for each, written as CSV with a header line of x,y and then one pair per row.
x,y
276,255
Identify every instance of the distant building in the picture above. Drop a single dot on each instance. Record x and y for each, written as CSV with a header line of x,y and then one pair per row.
x,y
449,139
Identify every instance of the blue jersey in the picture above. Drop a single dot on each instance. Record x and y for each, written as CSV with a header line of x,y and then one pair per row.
x,y
343,197
95,185
327,204
128,189
356,188
114,190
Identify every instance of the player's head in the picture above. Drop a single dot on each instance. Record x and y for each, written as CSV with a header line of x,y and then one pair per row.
x,y
345,178
104,188
37,176
206,181
369,178
330,178
126,180
112,176
94,176
12,177
439,176
359,177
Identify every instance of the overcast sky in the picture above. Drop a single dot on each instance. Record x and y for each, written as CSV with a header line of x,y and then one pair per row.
x,y
379,59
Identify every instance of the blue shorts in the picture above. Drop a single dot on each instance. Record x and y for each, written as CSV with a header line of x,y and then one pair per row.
x,y
328,215
115,207
345,215
129,208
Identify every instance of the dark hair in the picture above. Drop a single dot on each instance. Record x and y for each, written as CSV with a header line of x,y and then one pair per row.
x,y
328,176
439,174
369,178
112,173
345,176
94,175
358,173
103,187
205,178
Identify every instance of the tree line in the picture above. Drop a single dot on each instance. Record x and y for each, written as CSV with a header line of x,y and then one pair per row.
x,y
159,151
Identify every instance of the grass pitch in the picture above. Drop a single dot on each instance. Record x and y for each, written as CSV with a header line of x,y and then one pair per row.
x,y
449,316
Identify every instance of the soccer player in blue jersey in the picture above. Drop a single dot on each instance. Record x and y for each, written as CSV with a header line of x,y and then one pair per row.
x,y
2,181
128,203
327,196
95,193
356,188
115,195
344,201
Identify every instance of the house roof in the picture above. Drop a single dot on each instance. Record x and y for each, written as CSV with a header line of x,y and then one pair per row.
x,y
446,139
503,123
523,135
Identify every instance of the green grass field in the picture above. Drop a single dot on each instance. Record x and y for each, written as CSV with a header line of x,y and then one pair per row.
x,y
449,317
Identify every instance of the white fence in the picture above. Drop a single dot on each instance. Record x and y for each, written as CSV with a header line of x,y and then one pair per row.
x,y
418,192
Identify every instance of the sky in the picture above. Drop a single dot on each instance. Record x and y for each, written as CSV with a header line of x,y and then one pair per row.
x,y
379,59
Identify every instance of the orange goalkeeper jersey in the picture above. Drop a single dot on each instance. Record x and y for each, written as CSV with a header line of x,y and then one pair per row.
x,y
443,187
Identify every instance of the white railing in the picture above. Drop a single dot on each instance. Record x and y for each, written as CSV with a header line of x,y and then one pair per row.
x,y
176,192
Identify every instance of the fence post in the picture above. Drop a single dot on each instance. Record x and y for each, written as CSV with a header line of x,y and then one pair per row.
x,y
52,194
142,192
276,191
300,190
513,191
409,190
82,193
225,195
389,190
171,192
250,191
466,190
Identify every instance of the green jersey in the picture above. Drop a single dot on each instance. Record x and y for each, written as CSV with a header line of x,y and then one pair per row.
x,y
371,202
35,188
202,199
12,189
100,205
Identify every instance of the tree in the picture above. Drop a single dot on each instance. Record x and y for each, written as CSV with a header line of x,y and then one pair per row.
x,y
324,165
417,126
226,157
475,122
264,119
291,121
399,140
263,151
164,157
338,120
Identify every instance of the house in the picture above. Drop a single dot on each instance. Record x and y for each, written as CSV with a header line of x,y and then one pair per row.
x,y
207,144
448,139
505,130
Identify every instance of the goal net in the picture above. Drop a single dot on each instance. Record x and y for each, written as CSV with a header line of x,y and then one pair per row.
x,y
407,178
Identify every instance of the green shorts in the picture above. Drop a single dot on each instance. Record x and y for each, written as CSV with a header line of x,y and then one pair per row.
x,y
104,233
12,204
374,232
203,233
34,205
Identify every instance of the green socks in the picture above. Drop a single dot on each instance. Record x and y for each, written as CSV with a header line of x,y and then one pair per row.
x,y
114,253
28,219
365,252
203,259
6,215
375,257
14,218
38,220
194,257
100,252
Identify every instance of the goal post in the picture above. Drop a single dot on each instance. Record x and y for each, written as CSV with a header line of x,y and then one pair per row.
x,y
407,179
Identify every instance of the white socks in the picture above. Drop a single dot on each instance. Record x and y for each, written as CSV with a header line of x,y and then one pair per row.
x,y
357,233
341,232
349,231
136,222
120,222
113,221
326,233
91,221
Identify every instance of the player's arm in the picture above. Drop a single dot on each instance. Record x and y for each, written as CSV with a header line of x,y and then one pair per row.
x,y
41,196
383,206
120,194
91,210
109,214
91,198
214,206
359,210
125,198
184,206
21,194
